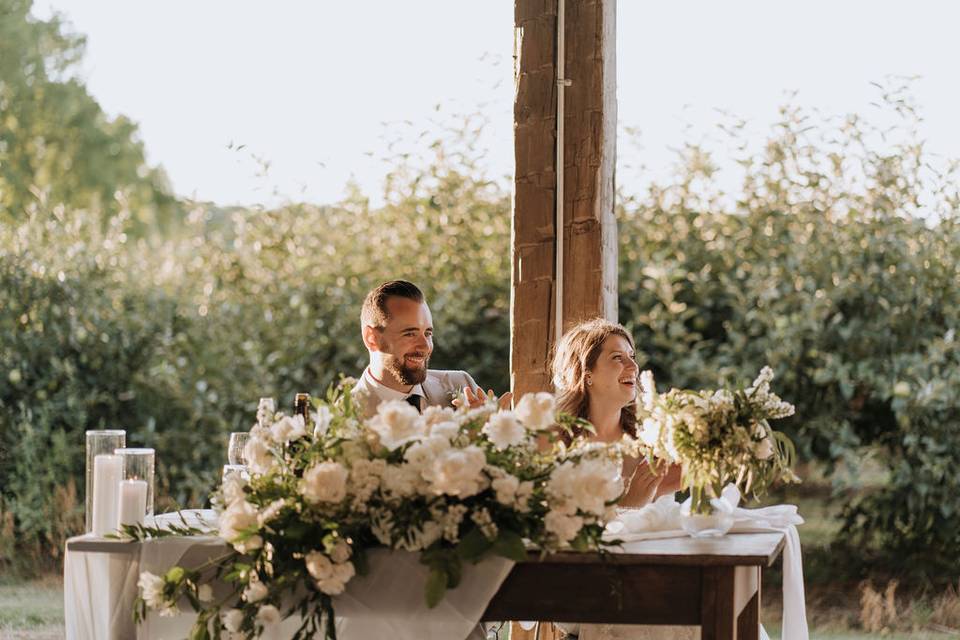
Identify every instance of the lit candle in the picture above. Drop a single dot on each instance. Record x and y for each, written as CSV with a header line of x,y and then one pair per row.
x,y
133,502
107,473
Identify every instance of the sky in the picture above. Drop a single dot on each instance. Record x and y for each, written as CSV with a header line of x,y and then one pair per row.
x,y
245,102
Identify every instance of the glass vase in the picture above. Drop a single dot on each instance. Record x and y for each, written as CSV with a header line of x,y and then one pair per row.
x,y
703,516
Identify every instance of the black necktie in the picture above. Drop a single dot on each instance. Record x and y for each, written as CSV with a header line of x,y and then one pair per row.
x,y
414,400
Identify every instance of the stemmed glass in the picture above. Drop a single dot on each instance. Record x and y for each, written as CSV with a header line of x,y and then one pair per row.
x,y
238,440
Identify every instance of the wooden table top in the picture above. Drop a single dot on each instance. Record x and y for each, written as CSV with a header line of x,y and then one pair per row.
x,y
733,549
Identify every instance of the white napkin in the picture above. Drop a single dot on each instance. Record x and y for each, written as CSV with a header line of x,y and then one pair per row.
x,y
661,519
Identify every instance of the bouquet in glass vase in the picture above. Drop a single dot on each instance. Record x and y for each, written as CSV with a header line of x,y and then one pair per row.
x,y
718,438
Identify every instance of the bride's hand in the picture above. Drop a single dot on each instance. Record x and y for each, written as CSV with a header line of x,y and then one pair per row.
x,y
644,483
672,481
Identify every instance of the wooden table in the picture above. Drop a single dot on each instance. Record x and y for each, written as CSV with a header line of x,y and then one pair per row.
x,y
713,583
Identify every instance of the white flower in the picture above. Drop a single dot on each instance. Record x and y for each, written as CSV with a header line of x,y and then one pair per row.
x,y
205,593
265,411
318,565
448,430
239,517
457,472
764,449
586,486
481,517
232,488
272,511
434,415
535,411
425,451
401,481
321,420
503,430
648,390
396,423
506,488
255,591
232,620
564,527
340,552
250,544
257,454
324,482
151,590
331,577
268,615
288,428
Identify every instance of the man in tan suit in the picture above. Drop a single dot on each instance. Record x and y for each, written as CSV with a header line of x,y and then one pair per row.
x,y
397,329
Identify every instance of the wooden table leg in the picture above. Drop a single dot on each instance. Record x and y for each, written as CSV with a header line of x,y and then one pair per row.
x,y
717,618
748,622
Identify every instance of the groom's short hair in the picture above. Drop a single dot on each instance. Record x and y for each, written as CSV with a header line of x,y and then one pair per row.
x,y
374,310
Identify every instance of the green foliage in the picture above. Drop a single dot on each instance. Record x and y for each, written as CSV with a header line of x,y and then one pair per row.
x,y
56,144
838,265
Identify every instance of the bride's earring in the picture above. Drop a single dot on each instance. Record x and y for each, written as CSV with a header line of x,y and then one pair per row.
x,y
589,380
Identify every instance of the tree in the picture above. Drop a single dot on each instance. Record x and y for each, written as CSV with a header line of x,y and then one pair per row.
x,y
56,143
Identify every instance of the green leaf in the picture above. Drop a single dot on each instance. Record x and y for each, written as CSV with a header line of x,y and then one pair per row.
x,y
510,545
436,586
175,574
473,545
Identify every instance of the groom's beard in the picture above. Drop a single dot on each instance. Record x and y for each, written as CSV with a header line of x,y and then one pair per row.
x,y
404,374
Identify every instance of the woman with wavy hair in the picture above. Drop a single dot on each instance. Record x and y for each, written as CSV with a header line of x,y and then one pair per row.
x,y
595,375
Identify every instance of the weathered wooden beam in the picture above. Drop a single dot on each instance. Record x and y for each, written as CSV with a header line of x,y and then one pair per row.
x,y
590,237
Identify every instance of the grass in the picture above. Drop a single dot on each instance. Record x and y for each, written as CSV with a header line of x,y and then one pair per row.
x,y
31,610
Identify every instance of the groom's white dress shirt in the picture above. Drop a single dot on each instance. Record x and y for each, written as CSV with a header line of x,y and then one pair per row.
x,y
437,390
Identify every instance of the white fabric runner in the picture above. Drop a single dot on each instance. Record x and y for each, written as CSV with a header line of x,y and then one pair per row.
x,y
661,519
388,602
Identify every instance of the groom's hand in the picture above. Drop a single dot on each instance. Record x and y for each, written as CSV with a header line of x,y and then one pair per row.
x,y
476,398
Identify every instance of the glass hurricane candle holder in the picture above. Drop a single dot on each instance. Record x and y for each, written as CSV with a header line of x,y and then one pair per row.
x,y
98,442
138,464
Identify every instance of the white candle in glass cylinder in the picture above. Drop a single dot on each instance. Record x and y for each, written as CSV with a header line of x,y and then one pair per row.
x,y
133,502
107,473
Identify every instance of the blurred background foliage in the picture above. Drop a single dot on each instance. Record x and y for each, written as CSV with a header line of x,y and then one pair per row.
x,y
837,263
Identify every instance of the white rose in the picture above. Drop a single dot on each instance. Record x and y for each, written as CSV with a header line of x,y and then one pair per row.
x,y
447,430
401,481
321,421
232,620
340,552
250,544
503,430
255,591
324,482
288,428
257,454
396,423
434,415
506,488
564,527
239,517
232,488
268,615
457,472
598,482
426,451
535,411
151,589
318,565
337,582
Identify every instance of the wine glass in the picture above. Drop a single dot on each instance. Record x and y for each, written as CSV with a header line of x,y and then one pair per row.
x,y
238,440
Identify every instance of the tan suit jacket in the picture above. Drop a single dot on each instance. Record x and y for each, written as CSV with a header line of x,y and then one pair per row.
x,y
439,389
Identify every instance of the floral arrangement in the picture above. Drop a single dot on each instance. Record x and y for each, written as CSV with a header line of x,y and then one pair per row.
x,y
453,485
718,437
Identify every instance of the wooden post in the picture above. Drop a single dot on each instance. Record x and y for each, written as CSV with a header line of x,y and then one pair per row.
x,y
589,228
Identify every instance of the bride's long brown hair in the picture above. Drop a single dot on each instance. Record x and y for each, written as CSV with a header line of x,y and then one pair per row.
x,y
575,356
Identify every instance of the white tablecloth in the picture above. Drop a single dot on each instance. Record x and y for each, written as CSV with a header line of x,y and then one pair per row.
x,y
100,586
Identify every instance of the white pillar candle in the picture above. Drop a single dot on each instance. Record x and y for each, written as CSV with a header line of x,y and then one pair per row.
x,y
107,473
133,502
